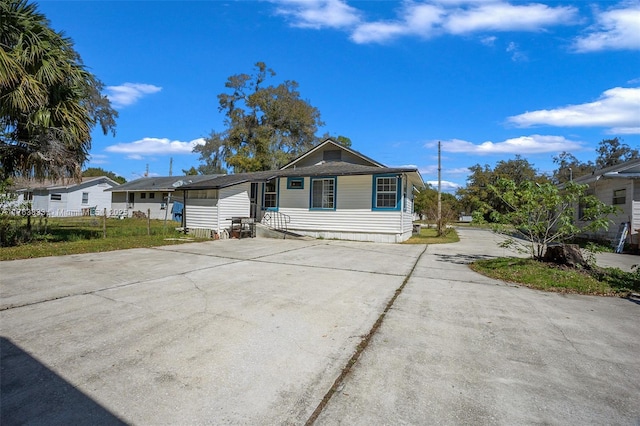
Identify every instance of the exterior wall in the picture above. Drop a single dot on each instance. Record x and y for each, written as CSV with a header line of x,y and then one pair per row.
x,y
234,202
603,190
41,200
153,206
70,203
202,214
119,204
353,218
98,198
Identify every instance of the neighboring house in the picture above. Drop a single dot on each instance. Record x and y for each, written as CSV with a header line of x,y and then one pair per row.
x,y
619,186
156,195
68,198
329,192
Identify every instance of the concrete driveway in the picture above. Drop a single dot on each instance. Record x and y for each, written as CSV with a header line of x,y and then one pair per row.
x,y
256,332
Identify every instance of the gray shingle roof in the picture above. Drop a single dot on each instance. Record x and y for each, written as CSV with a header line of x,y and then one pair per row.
x,y
161,183
334,168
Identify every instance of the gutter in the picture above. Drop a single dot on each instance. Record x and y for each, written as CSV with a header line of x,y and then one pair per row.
x,y
618,175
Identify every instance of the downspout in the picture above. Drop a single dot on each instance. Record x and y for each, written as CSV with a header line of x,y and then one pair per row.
x,y
401,204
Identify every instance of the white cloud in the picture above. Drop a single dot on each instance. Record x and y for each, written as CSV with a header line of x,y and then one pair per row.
x,y
154,146
426,18
624,131
98,159
446,185
502,16
616,29
516,54
489,41
129,93
617,108
318,13
533,144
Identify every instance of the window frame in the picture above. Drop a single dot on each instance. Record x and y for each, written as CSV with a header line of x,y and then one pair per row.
x,y
397,192
617,199
56,196
275,193
85,198
143,195
334,195
295,180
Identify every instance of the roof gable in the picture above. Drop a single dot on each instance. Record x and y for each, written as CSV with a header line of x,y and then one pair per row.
x,y
329,151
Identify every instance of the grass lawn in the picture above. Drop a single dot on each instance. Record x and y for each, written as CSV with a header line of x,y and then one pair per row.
x,y
548,277
61,236
429,236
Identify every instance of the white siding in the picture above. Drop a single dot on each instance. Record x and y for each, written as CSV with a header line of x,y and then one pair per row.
x,y
603,190
234,202
294,198
202,214
353,218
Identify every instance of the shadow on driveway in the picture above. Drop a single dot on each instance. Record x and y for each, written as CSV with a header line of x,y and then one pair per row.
x,y
58,401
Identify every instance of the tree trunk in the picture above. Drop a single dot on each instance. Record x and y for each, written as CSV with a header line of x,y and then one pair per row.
x,y
565,254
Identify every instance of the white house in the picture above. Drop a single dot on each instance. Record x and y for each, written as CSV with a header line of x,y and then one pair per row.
x,y
618,186
69,198
156,195
329,192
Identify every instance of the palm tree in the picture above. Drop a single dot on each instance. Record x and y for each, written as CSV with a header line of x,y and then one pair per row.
x,y
49,102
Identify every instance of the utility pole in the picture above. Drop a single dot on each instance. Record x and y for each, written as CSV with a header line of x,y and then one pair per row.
x,y
439,192
171,166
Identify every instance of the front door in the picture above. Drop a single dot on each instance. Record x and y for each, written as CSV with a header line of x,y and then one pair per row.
x,y
253,200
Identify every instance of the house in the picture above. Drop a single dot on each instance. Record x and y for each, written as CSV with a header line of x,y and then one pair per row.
x,y
329,192
67,197
617,185
154,195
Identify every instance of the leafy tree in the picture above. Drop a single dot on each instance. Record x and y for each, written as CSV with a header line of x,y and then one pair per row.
x,y
266,126
569,167
342,140
97,171
190,172
612,152
426,205
541,214
211,154
477,195
49,102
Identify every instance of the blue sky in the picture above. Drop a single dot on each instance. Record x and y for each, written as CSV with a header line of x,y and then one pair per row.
x,y
488,78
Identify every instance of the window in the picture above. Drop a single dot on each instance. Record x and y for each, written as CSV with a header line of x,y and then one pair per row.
x,y
295,183
152,195
270,195
203,194
56,197
619,197
85,198
385,195
323,193
143,195
28,196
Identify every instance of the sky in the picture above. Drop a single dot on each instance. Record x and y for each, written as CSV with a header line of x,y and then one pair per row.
x,y
489,79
